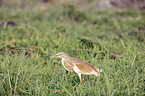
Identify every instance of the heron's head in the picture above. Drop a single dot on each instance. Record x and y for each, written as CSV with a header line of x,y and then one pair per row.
x,y
59,55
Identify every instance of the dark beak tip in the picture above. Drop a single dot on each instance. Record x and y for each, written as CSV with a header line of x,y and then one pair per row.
x,y
48,57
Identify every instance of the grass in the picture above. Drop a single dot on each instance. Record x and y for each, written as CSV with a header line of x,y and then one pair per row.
x,y
45,29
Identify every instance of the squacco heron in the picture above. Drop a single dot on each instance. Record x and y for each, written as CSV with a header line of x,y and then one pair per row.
x,y
79,66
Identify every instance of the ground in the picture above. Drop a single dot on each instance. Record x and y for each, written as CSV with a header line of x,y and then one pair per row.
x,y
31,29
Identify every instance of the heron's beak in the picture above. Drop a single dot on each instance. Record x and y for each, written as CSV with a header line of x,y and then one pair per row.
x,y
51,56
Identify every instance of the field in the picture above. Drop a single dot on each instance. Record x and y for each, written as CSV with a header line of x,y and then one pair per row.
x,y
31,30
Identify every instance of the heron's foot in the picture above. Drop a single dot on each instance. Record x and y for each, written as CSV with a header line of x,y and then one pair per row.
x,y
81,82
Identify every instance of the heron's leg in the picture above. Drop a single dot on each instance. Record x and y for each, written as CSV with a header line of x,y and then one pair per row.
x,y
80,77
81,82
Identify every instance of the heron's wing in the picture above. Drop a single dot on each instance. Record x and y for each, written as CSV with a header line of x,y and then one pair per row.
x,y
68,66
84,66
